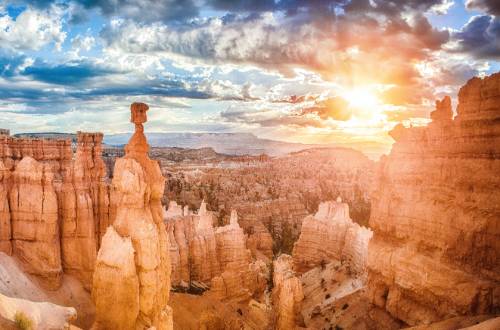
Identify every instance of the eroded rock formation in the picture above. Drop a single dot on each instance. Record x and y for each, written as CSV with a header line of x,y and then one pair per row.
x,y
84,208
331,235
215,257
287,294
272,195
131,281
241,277
193,248
435,213
52,207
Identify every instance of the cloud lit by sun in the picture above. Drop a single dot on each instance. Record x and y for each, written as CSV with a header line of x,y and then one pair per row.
x,y
297,71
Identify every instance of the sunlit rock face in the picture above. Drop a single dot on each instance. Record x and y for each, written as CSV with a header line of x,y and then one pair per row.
x,y
435,213
52,206
131,281
331,235
35,230
84,208
193,248
287,294
241,277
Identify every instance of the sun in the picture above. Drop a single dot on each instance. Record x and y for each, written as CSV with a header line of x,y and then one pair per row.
x,y
362,98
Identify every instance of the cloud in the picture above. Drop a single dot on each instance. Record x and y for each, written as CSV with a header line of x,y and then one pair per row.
x,y
145,10
82,43
243,5
489,6
276,43
334,108
32,30
480,37
68,73
268,117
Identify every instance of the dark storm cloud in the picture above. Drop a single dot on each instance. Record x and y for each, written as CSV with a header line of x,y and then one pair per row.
x,y
489,6
480,37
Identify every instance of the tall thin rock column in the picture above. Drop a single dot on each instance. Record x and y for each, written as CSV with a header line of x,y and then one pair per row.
x,y
131,281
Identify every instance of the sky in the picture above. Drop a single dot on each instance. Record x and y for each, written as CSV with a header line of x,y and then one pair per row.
x,y
338,72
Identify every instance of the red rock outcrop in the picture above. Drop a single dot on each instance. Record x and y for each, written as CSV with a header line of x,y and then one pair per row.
x,y
84,204
216,258
287,294
193,250
331,235
34,219
241,277
131,283
435,213
53,207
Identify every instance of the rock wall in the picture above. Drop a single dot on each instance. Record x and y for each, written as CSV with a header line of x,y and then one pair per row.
x,y
435,213
287,294
331,235
131,281
53,206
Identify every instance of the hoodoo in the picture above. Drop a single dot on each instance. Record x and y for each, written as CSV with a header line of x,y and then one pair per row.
x,y
131,281
331,235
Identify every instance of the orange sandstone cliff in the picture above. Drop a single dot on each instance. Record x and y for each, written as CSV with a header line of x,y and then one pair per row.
x,y
52,205
435,253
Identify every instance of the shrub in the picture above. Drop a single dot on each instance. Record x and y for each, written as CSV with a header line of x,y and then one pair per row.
x,y
22,321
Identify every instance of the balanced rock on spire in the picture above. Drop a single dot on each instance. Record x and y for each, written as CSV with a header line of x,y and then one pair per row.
x,y
134,296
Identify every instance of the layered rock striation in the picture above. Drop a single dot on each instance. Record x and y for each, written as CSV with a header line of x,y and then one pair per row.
x,y
213,257
53,206
193,247
131,281
435,213
331,235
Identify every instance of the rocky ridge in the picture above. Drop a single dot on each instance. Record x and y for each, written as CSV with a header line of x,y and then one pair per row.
x,y
435,211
